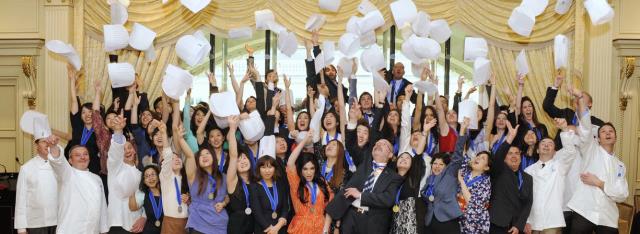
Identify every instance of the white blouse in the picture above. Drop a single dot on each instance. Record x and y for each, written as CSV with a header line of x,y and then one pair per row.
x,y
123,181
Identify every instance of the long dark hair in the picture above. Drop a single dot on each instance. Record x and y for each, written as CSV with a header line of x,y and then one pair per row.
x,y
435,131
244,109
202,175
242,152
143,187
338,166
202,108
414,174
317,178
534,115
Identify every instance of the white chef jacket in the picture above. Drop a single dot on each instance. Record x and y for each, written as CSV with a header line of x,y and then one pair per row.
x,y
169,200
548,186
123,181
82,205
36,195
595,204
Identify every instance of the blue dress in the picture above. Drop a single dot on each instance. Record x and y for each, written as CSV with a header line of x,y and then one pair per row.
x,y
202,213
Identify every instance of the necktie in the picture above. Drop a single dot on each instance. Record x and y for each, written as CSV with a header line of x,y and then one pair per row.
x,y
368,185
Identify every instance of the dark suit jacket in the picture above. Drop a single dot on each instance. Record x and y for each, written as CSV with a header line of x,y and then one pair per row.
x,y
379,201
510,206
568,114
313,79
445,205
404,84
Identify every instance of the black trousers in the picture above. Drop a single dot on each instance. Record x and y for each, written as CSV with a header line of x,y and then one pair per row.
x,y
354,222
451,226
42,230
118,230
493,229
580,225
568,216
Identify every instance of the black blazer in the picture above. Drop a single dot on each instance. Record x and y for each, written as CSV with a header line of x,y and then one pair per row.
x,y
379,201
262,208
404,84
313,78
548,105
510,206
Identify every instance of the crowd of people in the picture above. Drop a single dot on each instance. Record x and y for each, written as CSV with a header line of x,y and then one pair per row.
x,y
385,162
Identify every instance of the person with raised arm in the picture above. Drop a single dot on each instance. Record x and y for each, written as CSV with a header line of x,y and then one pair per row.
x,y
603,177
512,188
308,190
123,180
173,184
208,190
148,198
548,175
239,178
36,204
82,207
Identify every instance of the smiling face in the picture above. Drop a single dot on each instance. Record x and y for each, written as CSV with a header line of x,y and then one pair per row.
x,y
216,139
150,177
130,155
429,115
308,171
438,166
527,110
86,115
329,121
205,159
480,162
267,170
393,118
176,164
513,158
331,150
146,117
404,162
382,151
272,77
330,72
452,117
546,147
158,140
366,102
530,138
303,121
79,158
415,138
42,147
109,120
363,135
244,165
199,116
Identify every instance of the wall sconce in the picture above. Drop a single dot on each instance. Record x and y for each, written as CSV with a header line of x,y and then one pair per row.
x,y
626,72
29,70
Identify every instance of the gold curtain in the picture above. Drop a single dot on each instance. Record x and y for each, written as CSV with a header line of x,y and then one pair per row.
x,y
485,18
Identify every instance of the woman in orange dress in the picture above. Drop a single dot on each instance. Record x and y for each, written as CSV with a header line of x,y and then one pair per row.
x,y
309,195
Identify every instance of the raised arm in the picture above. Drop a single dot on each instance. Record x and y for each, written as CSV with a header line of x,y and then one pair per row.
x,y
442,120
548,104
232,175
200,132
116,148
491,113
71,73
405,122
519,96
291,162
287,100
341,109
190,161
213,83
165,111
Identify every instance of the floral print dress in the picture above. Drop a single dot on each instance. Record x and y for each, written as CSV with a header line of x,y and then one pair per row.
x,y
475,218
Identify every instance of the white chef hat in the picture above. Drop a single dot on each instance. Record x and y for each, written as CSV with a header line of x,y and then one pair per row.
x,y
252,128
36,124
